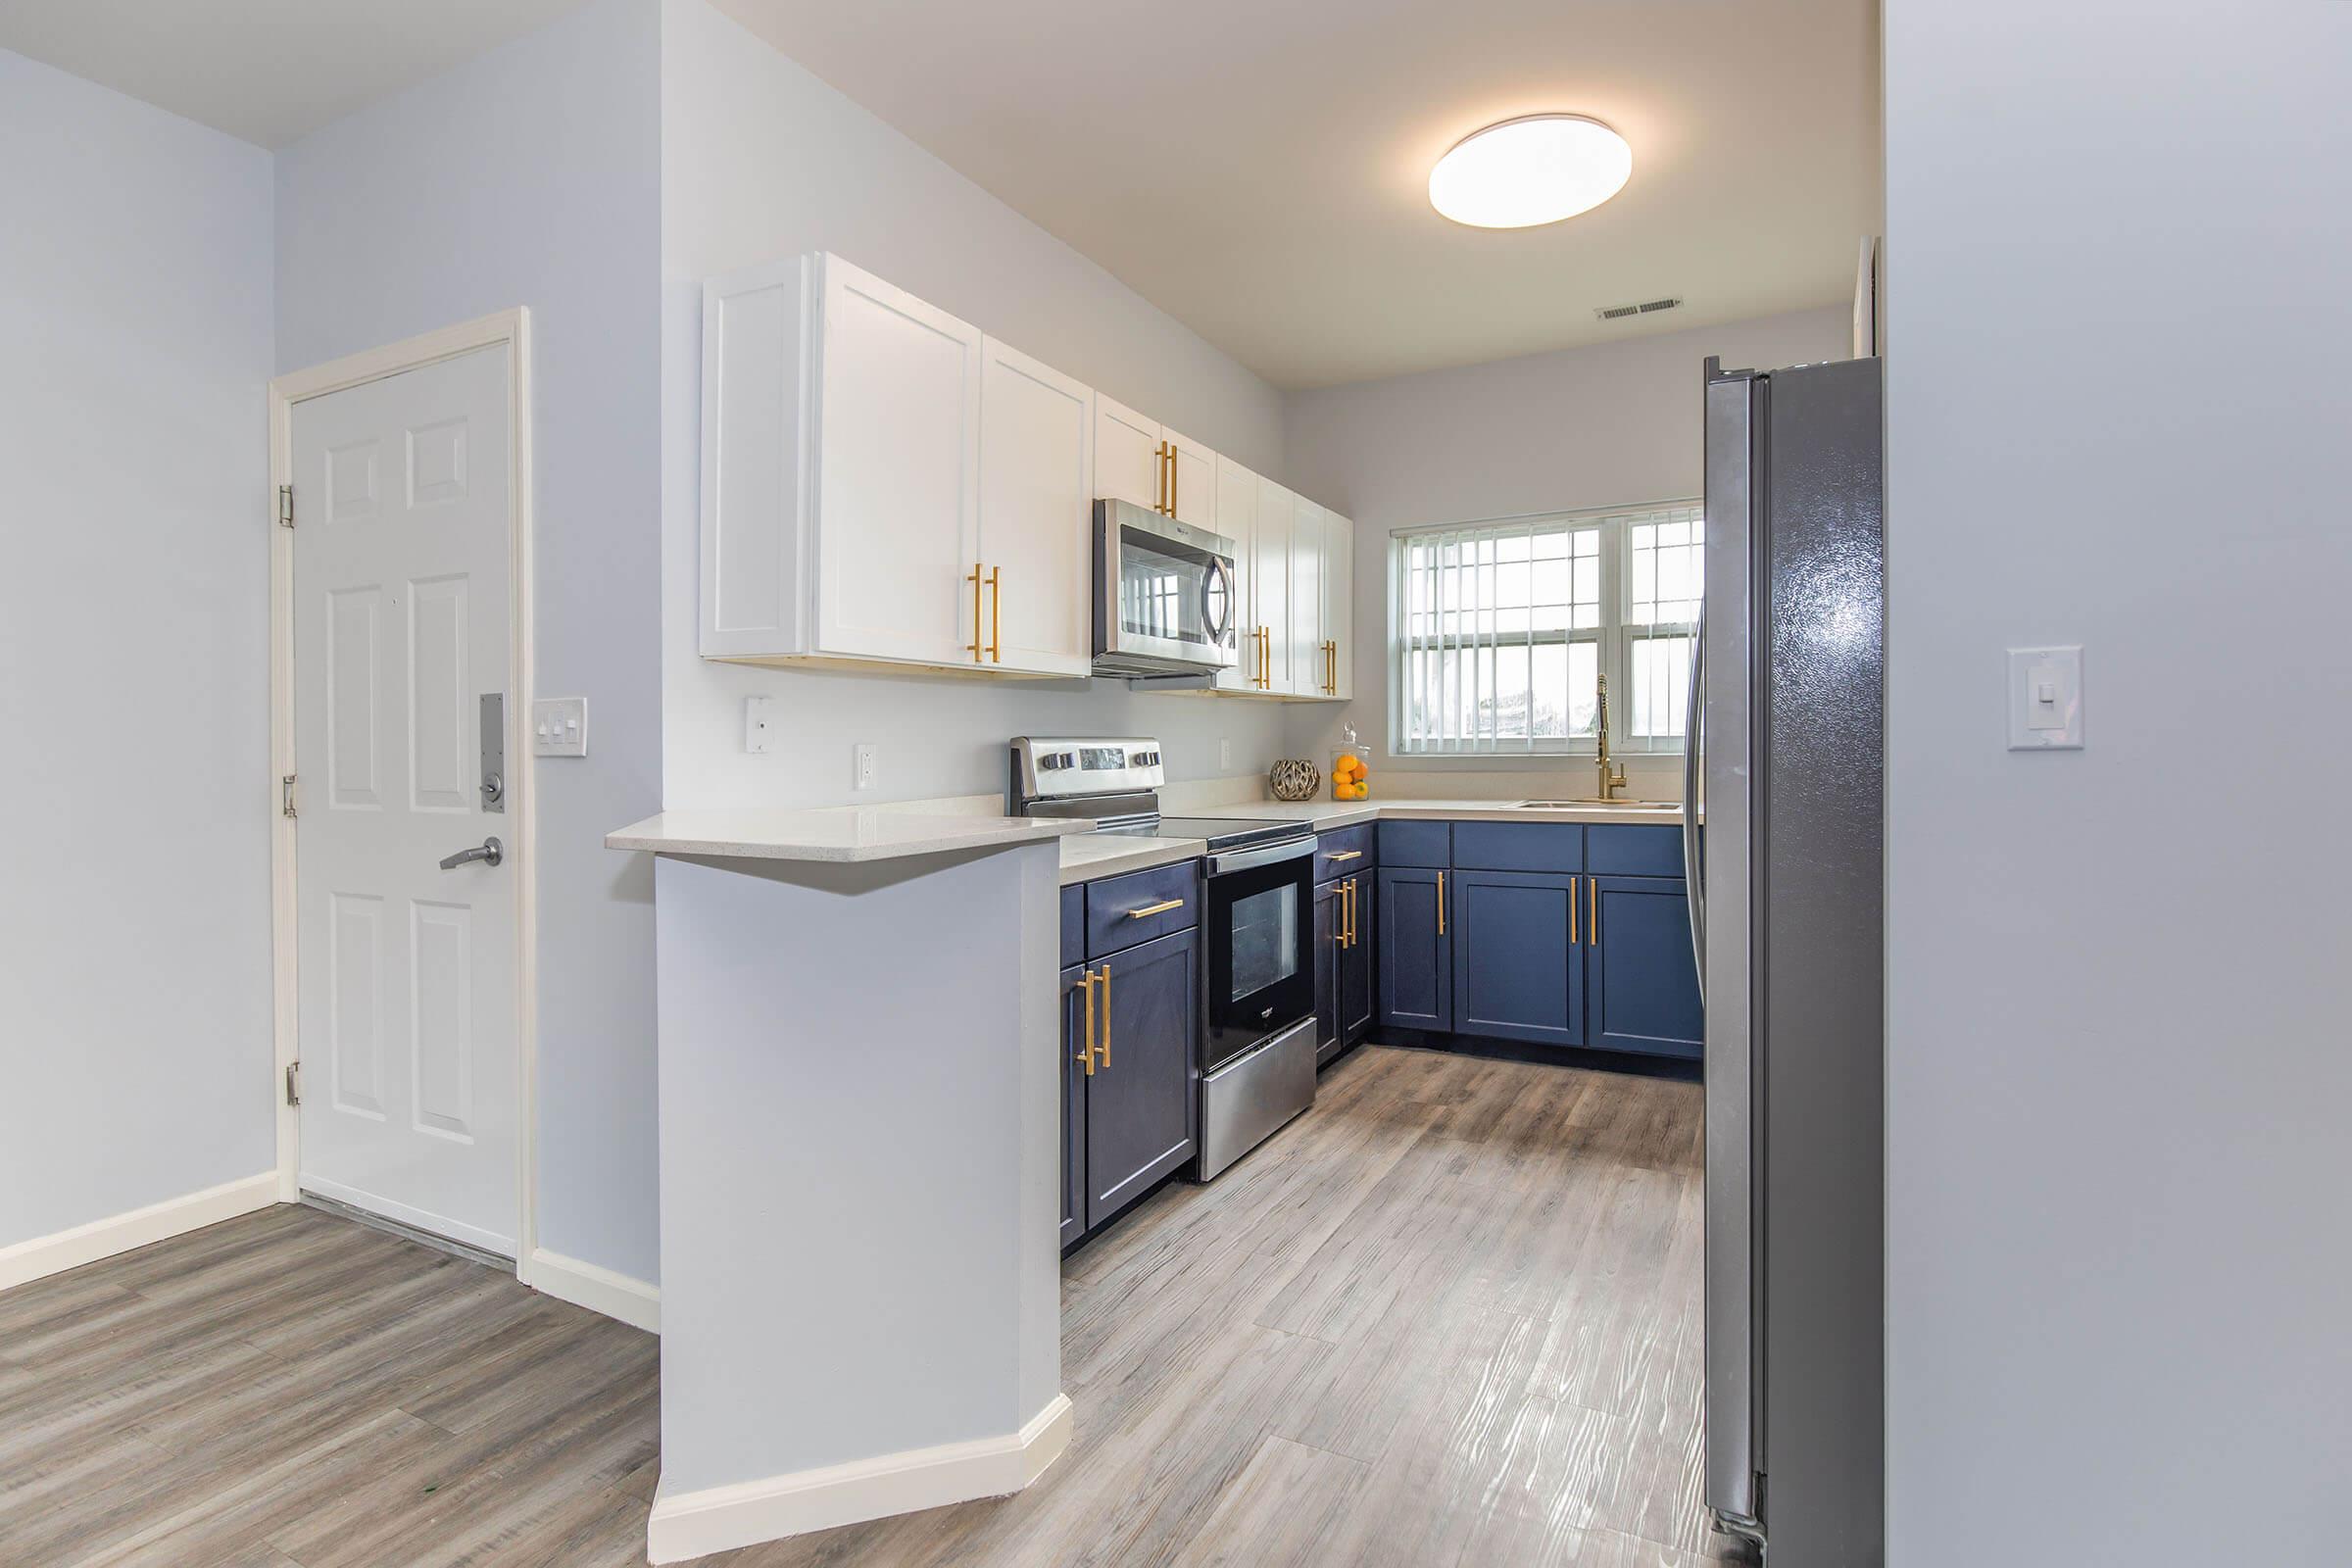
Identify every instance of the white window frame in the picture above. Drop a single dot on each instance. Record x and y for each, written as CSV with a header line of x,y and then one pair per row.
x,y
1614,637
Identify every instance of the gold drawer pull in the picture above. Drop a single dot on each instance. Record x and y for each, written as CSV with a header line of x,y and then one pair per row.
x,y
1105,1048
1150,910
1345,855
1085,1040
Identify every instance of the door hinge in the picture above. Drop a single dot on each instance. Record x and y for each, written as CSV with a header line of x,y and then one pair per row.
x,y
286,506
294,1082
285,795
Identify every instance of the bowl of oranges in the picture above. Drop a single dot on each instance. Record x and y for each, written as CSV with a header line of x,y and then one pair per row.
x,y
1351,780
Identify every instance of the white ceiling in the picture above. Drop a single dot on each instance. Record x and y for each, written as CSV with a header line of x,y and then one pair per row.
x,y
1258,169
269,72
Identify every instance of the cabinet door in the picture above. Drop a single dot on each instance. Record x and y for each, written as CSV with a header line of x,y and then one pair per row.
x,y
899,474
1356,999
1037,461
1270,583
1139,1104
1237,521
1308,676
754,598
1645,985
1518,959
1127,464
1415,960
1192,479
1339,600
1330,902
1073,1045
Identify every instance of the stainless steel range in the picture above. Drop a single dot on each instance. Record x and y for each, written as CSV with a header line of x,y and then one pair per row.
x,y
1256,1055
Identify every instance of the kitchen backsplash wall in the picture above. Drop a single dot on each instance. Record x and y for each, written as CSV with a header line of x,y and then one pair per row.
x,y
762,160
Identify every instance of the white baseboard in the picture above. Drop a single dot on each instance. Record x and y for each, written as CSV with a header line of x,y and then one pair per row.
x,y
119,1233
598,1288
695,1524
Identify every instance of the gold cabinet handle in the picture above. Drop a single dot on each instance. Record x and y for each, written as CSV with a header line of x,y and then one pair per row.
x,y
973,577
1442,903
1164,506
996,613
1593,925
1572,911
1353,935
1345,855
1085,1040
1265,657
1175,474
1106,1047
1150,910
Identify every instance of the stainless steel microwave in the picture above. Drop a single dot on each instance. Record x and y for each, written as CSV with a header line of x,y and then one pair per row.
x,y
1163,595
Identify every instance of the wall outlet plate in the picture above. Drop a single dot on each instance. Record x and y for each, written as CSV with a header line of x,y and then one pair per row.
x,y
759,724
560,726
861,766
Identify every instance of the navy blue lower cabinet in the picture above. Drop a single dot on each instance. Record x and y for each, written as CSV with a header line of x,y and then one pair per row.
x,y
1076,1041
1330,902
1140,1119
1643,980
1354,998
1518,969
1416,964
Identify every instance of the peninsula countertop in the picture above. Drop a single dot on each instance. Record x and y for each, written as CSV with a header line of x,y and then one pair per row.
x,y
835,834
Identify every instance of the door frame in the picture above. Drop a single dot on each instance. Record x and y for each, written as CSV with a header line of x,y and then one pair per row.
x,y
511,329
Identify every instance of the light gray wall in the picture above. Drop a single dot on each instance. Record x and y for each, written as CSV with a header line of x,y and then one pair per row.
x,y
762,160
1610,425
2117,1059
135,655
530,177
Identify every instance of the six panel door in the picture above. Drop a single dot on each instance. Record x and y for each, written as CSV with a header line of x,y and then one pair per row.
x,y
1519,965
1644,982
1416,949
405,972
1140,1122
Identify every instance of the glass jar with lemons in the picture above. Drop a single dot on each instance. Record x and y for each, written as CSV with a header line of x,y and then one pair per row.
x,y
1350,778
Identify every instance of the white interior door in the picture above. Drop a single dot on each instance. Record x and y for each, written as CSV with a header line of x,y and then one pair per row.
x,y
404,971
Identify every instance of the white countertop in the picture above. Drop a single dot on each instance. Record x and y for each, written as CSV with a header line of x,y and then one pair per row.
x,y
1324,815
1088,855
837,834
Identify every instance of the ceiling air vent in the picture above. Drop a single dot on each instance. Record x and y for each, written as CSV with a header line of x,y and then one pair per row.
x,y
1617,313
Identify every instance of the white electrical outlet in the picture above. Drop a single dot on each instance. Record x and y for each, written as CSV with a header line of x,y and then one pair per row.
x,y
861,766
759,724
1224,754
560,726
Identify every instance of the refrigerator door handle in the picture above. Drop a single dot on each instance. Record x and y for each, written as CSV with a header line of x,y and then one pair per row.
x,y
1694,726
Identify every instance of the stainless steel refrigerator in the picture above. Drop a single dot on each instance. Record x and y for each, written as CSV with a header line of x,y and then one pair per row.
x,y
1788,921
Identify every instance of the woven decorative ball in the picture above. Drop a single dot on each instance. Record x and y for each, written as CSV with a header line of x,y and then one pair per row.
x,y
1295,778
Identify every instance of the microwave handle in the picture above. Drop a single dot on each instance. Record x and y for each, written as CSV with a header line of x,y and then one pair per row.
x,y
1208,601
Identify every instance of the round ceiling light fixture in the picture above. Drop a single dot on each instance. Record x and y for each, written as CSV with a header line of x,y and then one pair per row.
x,y
1536,169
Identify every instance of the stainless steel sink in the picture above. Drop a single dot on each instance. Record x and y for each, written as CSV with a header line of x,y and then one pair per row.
x,y
1596,806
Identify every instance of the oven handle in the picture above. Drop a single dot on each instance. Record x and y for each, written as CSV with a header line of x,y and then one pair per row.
x,y
1261,854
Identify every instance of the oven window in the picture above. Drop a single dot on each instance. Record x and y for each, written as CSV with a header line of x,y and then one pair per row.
x,y
1265,940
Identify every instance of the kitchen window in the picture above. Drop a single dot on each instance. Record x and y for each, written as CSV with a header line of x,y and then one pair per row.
x,y
1500,632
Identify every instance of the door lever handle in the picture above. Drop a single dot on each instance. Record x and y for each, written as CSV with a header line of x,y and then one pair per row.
x,y
489,851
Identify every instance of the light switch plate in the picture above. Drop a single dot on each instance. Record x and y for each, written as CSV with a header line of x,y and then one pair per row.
x,y
560,726
759,724
2045,698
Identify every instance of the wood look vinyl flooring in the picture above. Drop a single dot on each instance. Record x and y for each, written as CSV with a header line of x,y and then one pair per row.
x,y
1449,1317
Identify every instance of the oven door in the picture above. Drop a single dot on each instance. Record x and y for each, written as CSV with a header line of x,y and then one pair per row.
x,y
1258,915
1163,594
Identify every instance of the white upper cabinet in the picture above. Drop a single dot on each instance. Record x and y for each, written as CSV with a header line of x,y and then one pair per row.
x,y
1237,521
898,471
1310,665
1271,587
1034,561
1192,480
1339,600
1130,456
